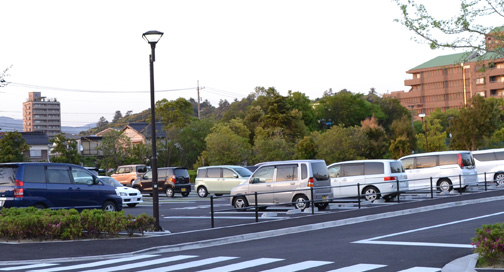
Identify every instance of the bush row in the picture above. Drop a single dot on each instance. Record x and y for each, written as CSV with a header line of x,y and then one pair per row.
x,y
34,224
489,244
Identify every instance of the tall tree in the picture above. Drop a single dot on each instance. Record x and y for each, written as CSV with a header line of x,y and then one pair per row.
x,y
192,140
174,114
65,150
102,123
341,144
271,147
402,139
224,146
434,136
12,147
117,116
377,142
114,146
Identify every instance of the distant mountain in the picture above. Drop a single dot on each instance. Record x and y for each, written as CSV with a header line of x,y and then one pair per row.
x,y
11,124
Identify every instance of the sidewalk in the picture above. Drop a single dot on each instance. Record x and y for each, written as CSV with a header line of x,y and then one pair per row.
x,y
13,251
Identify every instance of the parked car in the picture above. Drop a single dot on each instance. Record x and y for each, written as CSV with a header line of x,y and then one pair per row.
x,y
127,174
443,167
285,182
220,179
130,196
376,178
171,181
490,165
55,186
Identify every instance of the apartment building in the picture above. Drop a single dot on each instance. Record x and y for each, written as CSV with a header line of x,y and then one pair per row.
x,y
450,81
42,114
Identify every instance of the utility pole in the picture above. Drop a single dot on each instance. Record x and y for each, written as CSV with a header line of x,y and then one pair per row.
x,y
199,110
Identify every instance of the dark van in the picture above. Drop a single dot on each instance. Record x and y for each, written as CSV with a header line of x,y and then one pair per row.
x,y
55,186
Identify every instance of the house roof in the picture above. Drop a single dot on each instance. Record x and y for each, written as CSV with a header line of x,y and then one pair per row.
x,y
145,129
445,60
35,138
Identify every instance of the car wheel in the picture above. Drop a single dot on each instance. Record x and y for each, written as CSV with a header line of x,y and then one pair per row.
x,y
499,178
240,203
444,185
132,205
169,192
186,194
321,206
39,206
109,206
202,191
371,193
131,184
301,202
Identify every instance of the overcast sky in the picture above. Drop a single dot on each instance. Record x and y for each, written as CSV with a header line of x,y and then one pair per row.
x,y
90,55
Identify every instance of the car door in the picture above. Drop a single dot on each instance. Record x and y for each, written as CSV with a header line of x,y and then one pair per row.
x,y
262,183
230,179
426,167
214,180
350,178
60,188
335,172
146,182
286,182
86,192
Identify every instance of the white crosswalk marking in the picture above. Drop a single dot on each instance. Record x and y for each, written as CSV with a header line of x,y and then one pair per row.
x,y
142,264
95,264
298,266
359,268
242,265
421,269
29,266
187,265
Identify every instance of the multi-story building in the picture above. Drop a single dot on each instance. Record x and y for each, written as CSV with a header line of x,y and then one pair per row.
x,y
42,114
450,81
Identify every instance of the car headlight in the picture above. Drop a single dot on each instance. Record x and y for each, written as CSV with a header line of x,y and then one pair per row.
x,y
123,194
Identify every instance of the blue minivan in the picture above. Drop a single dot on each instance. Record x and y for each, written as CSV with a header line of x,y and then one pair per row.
x,y
55,186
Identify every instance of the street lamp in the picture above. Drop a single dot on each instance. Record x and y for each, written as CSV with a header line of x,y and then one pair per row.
x,y
422,115
152,37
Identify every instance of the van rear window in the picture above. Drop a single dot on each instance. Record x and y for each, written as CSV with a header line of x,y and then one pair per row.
x,y
373,168
34,173
396,167
320,170
467,159
8,175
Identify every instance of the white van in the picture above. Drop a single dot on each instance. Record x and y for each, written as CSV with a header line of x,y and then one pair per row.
x,y
285,183
376,178
490,163
448,169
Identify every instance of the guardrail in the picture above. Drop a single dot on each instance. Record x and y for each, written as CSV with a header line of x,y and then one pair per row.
x,y
431,189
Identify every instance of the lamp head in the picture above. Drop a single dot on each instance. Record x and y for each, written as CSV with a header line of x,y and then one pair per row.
x,y
152,36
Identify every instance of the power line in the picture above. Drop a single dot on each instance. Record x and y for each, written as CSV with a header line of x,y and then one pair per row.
x,y
22,85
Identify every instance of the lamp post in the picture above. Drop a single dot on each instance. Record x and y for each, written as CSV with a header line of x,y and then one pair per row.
x,y
422,115
152,37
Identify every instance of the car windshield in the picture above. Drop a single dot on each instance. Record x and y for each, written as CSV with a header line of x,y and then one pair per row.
x,y
111,181
244,172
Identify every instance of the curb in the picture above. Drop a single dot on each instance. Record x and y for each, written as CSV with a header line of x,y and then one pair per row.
x,y
464,264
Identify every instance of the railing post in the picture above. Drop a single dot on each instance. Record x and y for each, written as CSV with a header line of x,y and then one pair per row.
x,y
256,208
431,189
398,201
358,194
460,183
485,182
312,201
212,211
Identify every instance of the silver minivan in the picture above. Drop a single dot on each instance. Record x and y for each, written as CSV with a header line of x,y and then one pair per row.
x,y
219,179
376,178
448,170
490,165
285,183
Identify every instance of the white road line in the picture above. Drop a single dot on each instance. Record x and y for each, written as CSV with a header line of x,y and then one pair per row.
x,y
142,264
188,265
298,266
24,267
421,269
94,264
242,265
223,217
359,268
373,240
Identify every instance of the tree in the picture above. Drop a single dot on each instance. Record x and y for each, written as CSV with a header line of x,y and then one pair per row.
x,y
12,147
377,142
192,140
117,116
306,148
114,146
174,114
436,137
269,147
102,122
340,144
65,150
3,75
299,101
462,31
402,139
476,123
224,146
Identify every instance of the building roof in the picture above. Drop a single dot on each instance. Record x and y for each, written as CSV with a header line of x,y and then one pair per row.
x,y
445,60
145,129
35,138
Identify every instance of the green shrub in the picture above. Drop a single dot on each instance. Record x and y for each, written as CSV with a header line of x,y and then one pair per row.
x,y
31,223
489,244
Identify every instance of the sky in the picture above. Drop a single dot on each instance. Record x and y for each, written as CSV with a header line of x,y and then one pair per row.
x,y
91,57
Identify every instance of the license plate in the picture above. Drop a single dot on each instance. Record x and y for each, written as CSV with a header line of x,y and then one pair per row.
x,y
182,189
324,197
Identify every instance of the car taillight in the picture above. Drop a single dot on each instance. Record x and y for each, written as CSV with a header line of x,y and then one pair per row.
x,y
459,160
18,188
389,178
173,179
310,182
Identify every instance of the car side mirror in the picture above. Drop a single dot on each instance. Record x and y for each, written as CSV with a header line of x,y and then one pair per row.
x,y
235,175
255,180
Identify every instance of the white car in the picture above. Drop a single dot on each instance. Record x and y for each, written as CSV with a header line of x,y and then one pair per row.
x,y
130,196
